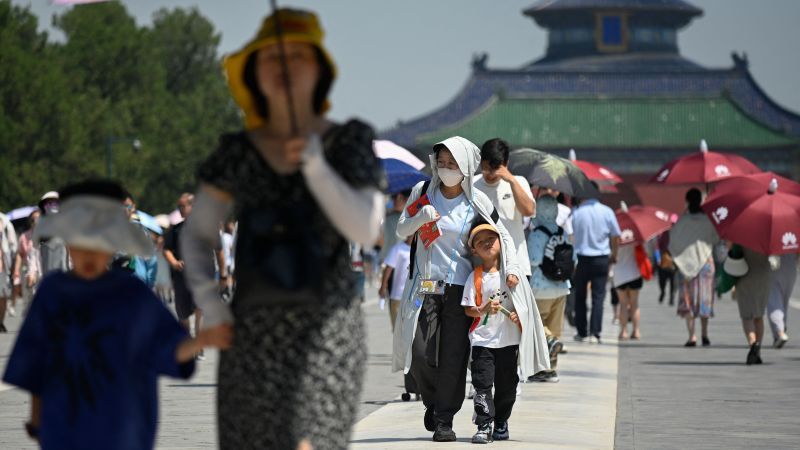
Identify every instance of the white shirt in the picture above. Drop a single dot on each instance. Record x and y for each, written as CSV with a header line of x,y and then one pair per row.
x,y
227,249
564,218
498,331
449,254
626,269
502,198
398,259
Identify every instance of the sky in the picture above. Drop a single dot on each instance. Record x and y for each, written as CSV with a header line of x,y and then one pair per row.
x,y
398,60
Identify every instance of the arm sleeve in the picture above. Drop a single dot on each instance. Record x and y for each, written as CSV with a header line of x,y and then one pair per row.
x,y
200,238
355,212
510,263
527,188
169,240
613,225
26,366
408,225
468,299
391,258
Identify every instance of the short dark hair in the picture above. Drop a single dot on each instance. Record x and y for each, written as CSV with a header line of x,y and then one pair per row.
x,y
694,198
98,187
250,78
495,152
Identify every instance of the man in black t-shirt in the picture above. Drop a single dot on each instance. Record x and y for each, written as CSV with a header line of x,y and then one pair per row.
x,y
184,302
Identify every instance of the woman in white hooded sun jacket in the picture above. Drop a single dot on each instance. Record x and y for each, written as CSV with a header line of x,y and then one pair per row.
x,y
436,325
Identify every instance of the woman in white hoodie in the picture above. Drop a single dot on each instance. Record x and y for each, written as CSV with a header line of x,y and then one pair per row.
x,y
432,321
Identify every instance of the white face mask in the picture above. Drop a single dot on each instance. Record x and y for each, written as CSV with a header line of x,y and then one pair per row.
x,y
450,177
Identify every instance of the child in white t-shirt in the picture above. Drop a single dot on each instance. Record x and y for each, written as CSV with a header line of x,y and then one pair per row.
x,y
394,275
494,337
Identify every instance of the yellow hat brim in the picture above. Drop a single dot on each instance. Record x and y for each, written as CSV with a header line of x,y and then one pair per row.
x,y
234,63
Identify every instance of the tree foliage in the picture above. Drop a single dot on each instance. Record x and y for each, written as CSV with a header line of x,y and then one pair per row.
x,y
63,105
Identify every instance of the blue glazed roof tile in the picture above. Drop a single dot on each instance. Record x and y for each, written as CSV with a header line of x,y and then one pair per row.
x,y
736,83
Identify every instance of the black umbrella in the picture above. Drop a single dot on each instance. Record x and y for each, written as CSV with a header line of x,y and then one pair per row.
x,y
285,67
550,171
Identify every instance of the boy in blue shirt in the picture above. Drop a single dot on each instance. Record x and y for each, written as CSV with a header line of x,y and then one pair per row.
x,y
95,340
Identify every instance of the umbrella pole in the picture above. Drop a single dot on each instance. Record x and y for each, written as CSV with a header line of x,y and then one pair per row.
x,y
285,69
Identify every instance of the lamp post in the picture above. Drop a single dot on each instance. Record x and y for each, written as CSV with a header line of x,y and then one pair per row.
x,y
136,144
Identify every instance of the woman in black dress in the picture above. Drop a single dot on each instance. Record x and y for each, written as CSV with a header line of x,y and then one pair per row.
x,y
301,189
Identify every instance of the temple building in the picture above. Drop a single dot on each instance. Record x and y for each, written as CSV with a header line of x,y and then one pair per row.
x,y
614,86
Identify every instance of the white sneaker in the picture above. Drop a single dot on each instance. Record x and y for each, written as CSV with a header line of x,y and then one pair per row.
x,y
11,311
519,389
781,341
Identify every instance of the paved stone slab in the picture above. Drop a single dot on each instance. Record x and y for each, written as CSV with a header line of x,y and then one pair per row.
x,y
676,397
543,417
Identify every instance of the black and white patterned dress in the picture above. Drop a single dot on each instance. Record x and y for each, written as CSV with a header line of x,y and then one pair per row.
x,y
294,371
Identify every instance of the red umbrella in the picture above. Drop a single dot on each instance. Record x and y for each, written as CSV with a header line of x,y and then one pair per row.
x,y
639,224
762,179
603,176
704,167
755,214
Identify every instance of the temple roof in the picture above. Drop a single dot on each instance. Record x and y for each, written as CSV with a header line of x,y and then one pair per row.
x,y
591,123
735,85
679,6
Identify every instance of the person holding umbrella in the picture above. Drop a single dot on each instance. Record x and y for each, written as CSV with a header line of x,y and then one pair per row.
x,y
739,206
300,187
691,244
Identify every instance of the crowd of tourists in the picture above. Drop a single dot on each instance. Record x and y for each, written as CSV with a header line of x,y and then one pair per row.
x,y
479,268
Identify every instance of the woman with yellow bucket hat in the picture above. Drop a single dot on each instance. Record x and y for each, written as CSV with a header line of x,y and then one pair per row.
x,y
301,187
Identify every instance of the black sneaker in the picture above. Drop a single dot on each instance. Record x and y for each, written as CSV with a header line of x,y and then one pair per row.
x,y
753,355
484,434
500,432
545,377
444,433
430,423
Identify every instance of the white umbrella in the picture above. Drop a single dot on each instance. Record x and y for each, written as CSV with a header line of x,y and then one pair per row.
x,y
389,150
20,213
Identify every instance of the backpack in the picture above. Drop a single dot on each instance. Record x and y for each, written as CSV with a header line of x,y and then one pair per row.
x,y
557,263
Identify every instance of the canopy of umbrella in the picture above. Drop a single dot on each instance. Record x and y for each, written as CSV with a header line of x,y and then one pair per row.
x,y
403,169
605,178
758,212
546,170
704,167
639,224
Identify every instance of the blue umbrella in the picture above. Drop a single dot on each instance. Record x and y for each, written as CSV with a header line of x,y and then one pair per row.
x,y
401,176
149,222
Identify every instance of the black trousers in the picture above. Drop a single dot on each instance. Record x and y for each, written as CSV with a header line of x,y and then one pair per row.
x,y
498,367
439,366
591,269
666,276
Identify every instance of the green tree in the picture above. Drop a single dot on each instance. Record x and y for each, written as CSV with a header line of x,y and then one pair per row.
x,y
61,102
